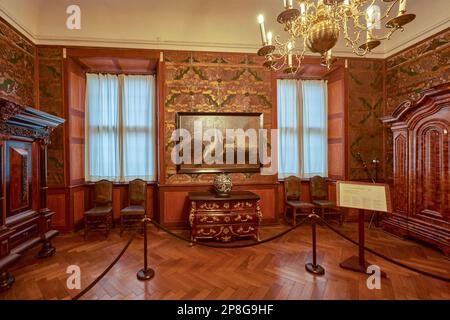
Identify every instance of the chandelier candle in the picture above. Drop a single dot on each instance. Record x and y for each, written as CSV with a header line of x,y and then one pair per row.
x,y
290,55
370,22
288,4
263,29
402,7
269,38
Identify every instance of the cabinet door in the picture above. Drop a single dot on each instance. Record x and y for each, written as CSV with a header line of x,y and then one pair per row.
x,y
432,197
18,177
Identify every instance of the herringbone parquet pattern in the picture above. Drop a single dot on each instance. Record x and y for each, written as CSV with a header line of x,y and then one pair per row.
x,y
271,271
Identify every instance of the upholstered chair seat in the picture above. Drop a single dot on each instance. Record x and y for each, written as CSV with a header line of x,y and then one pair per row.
x,y
324,203
131,216
101,216
319,195
300,204
292,192
99,211
131,210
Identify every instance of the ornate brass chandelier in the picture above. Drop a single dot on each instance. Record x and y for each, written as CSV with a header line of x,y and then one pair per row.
x,y
316,25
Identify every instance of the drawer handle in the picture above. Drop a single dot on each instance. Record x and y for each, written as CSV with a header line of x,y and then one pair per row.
x,y
210,233
247,218
207,220
241,230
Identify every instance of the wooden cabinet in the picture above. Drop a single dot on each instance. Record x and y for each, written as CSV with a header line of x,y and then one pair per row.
x,y
25,219
224,219
421,146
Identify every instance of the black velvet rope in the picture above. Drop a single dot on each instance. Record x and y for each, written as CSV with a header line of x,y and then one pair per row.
x,y
236,246
400,264
112,264
127,245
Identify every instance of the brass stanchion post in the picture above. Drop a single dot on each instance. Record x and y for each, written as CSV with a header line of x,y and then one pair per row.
x,y
146,273
313,267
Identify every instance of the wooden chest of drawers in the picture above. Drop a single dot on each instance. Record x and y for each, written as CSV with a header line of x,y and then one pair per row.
x,y
224,219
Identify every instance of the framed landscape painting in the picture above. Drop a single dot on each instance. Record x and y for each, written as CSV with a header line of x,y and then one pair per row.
x,y
231,146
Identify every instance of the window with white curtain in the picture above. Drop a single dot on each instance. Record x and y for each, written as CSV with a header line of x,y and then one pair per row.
x,y
120,127
302,125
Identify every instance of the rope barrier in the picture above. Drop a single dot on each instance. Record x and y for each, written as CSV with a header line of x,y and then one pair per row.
x,y
279,235
238,246
400,264
112,264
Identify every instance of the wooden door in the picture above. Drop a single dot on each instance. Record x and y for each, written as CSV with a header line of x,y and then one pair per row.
x,y
432,168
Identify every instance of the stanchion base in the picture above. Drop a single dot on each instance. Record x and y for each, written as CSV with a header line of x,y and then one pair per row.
x,y
315,269
6,281
145,275
353,264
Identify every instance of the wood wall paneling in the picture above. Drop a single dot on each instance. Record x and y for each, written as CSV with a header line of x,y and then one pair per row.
x,y
57,202
75,97
78,206
337,111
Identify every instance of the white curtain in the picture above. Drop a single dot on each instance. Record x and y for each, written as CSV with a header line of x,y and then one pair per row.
x,y
102,127
288,129
120,127
302,125
315,129
138,128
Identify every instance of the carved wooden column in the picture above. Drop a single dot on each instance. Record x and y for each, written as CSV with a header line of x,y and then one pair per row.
x,y
46,214
43,175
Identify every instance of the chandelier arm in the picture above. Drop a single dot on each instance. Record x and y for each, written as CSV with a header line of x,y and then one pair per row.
x,y
386,36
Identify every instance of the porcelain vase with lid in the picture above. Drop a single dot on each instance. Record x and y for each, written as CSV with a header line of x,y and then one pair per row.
x,y
222,185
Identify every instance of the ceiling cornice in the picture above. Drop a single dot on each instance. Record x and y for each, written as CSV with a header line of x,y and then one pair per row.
x,y
427,33
197,46
20,26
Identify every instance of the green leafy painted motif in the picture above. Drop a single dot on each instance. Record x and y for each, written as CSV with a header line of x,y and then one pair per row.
x,y
436,43
228,99
45,92
211,99
15,58
410,72
220,60
355,79
181,73
52,70
255,75
265,100
200,74
171,98
6,85
238,74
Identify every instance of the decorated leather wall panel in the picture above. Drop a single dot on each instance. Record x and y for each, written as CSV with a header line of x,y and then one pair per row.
x,y
52,101
17,60
213,82
420,67
365,107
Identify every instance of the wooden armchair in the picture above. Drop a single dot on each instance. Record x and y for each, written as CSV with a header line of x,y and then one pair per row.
x,y
292,192
131,216
101,216
319,195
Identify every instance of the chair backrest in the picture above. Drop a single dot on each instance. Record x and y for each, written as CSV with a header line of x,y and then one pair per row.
x,y
292,188
137,192
319,188
103,193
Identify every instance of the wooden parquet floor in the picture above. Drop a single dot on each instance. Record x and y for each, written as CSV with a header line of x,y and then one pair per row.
x,y
273,270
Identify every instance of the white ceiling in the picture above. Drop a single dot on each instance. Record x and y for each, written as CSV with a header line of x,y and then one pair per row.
x,y
210,25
